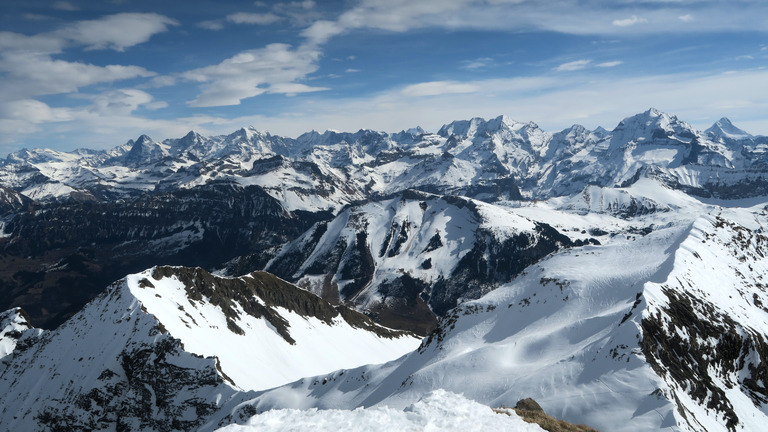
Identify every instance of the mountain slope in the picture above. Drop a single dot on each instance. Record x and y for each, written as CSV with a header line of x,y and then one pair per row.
x,y
141,355
414,255
667,329
56,257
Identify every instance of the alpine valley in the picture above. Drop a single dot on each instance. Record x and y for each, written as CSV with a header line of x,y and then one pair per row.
x,y
619,278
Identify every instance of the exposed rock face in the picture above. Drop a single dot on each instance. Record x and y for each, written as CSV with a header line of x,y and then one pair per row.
x,y
136,357
16,333
111,366
706,331
59,256
414,257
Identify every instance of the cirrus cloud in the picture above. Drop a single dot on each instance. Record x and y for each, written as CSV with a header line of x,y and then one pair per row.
x,y
573,66
435,88
626,22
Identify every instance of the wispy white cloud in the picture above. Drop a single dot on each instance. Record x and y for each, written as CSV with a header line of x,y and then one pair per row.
x,y
253,18
583,17
574,65
30,69
30,74
301,13
435,88
107,113
211,24
626,22
36,17
162,81
478,63
698,98
275,68
117,32
121,102
321,31
610,64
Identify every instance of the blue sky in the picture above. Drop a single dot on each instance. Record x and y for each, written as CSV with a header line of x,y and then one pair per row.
x,y
96,73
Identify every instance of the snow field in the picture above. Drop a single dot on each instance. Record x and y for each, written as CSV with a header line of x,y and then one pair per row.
x,y
261,358
437,411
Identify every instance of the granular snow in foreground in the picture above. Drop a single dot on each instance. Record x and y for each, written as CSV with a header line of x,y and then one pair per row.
x,y
439,410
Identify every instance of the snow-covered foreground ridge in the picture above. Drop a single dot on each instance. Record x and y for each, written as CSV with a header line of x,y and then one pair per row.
x,y
172,347
665,331
436,411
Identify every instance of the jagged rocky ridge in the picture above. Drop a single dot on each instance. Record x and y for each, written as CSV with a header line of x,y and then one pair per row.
x,y
498,158
176,348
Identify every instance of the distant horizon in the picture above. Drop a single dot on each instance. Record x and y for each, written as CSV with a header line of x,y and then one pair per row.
x,y
88,74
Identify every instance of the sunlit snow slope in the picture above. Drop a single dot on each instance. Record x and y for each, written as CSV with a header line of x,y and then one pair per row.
x,y
171,347
407,258
652,330
436,411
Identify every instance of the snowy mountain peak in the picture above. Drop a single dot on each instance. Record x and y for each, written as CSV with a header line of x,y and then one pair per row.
x,y
407,137
724,128
651,126
166,349
601,132
144,151
463,128
190,138
143,140
415,131
478,125
270,316
650,118
14,328
244,134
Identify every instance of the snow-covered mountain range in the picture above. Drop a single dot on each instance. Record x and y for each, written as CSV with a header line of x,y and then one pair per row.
x,y
493,159
617,277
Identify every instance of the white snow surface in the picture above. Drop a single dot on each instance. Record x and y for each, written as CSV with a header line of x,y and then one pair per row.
x,y
61,363
439,410
261,358
86,354
13,326
567,331
330,170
